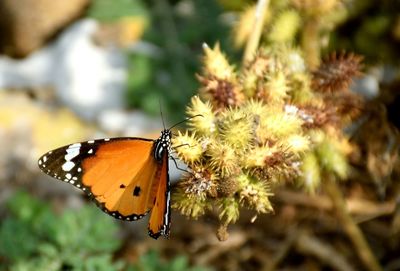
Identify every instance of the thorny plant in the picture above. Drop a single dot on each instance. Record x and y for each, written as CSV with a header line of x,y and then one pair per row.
x,y
269,122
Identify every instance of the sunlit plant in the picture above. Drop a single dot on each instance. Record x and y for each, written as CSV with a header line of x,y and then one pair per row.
x,y
263,124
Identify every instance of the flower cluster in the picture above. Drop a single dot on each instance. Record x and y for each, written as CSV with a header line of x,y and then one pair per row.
x,y
257,127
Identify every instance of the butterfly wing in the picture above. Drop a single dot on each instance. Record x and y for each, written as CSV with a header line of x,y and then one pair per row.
x,y
159,222
120,174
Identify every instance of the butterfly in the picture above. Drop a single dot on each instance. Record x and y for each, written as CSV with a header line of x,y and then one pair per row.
x,y
127,177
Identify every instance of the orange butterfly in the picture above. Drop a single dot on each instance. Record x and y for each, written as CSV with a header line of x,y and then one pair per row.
x,y
126,177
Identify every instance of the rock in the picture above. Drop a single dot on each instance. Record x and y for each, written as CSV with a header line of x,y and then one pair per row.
x,y
87,78
25,25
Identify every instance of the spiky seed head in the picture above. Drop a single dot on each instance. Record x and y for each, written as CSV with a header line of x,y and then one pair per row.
x,y
216,64
236,129
318,115
254,73
260,65
255,108
205,123
255,193
346,105
285,27
229,210
275,89
250,84
188,147
256,157
191,196
295,62
190,205
336,72
228,186
222,158
222,93
277,125
331,153
310,173
300,88
297,143
202,183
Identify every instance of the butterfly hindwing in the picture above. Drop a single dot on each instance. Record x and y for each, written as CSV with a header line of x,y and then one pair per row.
x,y
159,222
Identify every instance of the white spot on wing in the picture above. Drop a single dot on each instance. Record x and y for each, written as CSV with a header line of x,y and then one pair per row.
x,y
67,166
44,159
106,139
40,162
90,151
90,141
72,152
68,176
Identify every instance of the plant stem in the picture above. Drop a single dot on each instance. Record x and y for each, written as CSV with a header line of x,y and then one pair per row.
x,y
350,227
254,38
310,43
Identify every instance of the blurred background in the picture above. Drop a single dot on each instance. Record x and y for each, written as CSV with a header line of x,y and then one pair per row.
x,y
83,69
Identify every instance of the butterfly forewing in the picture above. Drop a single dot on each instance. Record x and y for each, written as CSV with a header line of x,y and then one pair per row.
x,y
117,173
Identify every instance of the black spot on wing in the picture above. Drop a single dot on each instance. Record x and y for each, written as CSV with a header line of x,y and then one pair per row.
x,y
136,191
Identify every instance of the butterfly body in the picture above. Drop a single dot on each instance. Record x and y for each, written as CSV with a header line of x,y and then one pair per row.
x,y
127,177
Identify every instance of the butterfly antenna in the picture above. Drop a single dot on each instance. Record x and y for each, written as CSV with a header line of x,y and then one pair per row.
x,y
185,120
162,117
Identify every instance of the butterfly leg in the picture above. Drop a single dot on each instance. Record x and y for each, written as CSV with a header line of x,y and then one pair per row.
x,y
177,167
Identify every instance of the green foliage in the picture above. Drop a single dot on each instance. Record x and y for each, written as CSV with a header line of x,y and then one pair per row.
x,y
163,71
105,10
166,76
35,238
151,262
371,29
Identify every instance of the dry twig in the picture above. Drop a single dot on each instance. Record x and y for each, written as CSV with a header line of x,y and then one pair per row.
x,y
349,225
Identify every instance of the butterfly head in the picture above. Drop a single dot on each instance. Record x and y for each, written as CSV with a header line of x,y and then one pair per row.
x,y
162,144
